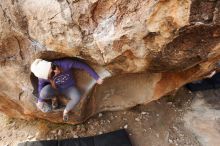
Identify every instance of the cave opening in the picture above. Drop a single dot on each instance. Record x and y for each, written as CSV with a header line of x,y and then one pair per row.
x,y
83,81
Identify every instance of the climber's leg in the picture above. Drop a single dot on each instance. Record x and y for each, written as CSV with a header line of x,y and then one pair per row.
x,y
46,94
73,94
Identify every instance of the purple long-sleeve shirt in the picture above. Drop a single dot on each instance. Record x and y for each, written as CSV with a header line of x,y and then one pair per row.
x,y
66,79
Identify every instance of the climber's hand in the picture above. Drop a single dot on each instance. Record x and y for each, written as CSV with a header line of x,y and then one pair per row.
x,y
99,81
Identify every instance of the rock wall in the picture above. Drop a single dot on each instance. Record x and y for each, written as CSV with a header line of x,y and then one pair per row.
x,y
150,48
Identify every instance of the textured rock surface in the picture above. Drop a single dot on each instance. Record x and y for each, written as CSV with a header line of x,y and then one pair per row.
x,y
150,47
204,117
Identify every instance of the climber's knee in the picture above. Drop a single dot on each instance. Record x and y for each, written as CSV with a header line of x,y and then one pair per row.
x,y
74,95
47,92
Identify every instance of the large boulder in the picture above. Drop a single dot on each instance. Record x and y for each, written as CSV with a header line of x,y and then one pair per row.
x,y
146,49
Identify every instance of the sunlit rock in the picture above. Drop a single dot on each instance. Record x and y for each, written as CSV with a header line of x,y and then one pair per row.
x,y
144,49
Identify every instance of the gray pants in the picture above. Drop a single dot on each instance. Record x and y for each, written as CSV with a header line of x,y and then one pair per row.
x,y
48,92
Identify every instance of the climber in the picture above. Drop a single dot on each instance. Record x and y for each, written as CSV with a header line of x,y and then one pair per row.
x,y
55,78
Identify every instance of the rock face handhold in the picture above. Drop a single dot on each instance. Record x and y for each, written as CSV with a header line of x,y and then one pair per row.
x,y
150,48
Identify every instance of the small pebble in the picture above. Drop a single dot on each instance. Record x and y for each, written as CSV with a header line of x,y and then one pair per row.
x,y
125,119
126,126
60,132
174,127
53,132
30,137
137,119
169,103
170,141
100,114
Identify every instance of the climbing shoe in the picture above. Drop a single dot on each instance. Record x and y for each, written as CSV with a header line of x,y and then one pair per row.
x,y
65,117
44,106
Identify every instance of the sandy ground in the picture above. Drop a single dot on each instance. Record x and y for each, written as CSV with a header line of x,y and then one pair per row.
x,y
183,119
